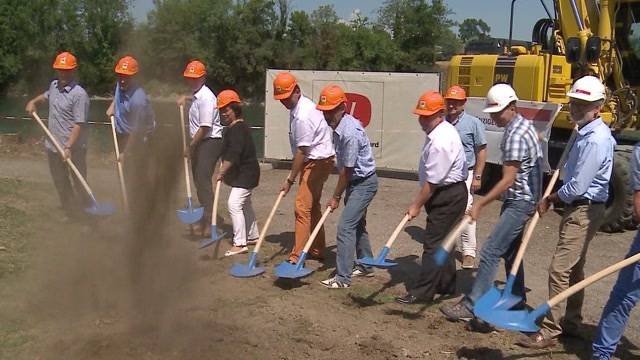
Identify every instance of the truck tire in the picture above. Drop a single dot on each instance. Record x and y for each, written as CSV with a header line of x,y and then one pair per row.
x,y
618,214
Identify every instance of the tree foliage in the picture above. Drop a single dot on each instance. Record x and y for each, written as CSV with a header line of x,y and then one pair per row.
x,y
473,29
236,39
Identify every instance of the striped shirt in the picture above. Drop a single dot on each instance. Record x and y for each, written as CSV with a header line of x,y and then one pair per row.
x,y
520,143
353,149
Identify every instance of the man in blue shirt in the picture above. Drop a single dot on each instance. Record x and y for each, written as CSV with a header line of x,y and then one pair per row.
x,y
585,190
357,180
131,108
471,132
626,291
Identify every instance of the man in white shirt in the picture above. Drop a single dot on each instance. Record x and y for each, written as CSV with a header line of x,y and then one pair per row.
x,y
206,139
313,160
443,193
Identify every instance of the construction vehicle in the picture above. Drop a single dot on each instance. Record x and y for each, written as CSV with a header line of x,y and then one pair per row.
x,y
600,38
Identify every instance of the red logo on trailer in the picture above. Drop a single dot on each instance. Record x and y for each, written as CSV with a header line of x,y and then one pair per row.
x,y
359,107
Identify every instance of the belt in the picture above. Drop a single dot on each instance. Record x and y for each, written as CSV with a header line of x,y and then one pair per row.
x,y
451,185
359,180
581,202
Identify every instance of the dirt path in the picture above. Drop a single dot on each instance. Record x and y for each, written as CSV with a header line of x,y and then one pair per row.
x,y
113,290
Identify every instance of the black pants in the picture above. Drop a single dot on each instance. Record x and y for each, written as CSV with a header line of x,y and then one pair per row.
x,y
203,164
445,208
73,197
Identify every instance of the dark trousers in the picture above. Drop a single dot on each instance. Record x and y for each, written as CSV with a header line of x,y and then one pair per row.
x,y
73,197
203,164
445,208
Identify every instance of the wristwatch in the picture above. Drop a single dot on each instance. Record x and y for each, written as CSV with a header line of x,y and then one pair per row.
x,y
477,177
290,181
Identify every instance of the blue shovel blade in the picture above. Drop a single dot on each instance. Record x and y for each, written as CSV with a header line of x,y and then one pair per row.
x,y
215,236
190,215
518,320
377,262
101,209
291,271
245,271
440,256
496,299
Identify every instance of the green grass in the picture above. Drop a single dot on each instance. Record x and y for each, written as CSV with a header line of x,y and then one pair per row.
x,y
12,338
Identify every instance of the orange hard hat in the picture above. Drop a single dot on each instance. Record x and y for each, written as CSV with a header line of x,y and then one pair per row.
x,y
195,70
429,103
455,93
227,97
330,97
127,66
283,85
65,61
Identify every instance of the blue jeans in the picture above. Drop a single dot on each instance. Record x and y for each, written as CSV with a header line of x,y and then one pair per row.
x,y
503,242
352,237
623,298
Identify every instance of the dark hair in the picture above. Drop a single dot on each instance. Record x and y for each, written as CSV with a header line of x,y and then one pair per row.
x,y
236,108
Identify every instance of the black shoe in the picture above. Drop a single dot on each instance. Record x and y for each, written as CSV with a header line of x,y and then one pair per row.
x,y
407,299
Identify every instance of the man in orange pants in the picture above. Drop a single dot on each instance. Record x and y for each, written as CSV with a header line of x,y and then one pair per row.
x,y
313,157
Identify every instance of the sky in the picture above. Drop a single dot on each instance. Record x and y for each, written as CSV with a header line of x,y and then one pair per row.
x,y
493,12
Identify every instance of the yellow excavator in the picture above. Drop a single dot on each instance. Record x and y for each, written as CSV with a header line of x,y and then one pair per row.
x,y
580,37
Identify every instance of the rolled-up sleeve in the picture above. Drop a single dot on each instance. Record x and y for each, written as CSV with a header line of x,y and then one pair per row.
x,y
205,112
585,171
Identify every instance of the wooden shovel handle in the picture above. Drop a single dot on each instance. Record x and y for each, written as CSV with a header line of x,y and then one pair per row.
x,y
123,187
263,234
187,178
316,230
534,220
70,163
214,213
592,279
454,234
397,231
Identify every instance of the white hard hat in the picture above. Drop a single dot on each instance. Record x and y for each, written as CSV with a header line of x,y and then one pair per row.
x,y
498,97
587,88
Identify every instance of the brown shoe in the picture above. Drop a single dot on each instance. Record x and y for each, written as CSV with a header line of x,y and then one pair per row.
x,y
536,341
469,262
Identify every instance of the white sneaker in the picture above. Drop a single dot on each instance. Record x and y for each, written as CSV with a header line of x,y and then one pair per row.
x,y
361,272
333,283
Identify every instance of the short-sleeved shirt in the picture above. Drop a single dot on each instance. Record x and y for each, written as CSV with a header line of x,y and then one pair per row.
x,y
133,111
589,165
239,149
520,143
635,168
442,161
307,127
204,112
68,106
353,148
471,132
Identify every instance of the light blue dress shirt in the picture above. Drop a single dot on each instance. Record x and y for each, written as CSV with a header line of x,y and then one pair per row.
x,y
471,132
133,111
588,168
353,149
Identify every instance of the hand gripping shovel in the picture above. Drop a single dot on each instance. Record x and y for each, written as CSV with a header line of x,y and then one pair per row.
x,y
96,208
250,269
497,299
442,254
188,215
380,260
123,187
525,321
293,271
215,236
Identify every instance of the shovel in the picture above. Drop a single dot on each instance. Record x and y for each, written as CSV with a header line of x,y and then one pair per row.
x,y
215,236
293,271
442,253
525,321
123,187
497,299
188,215
96,208
380,260
250,269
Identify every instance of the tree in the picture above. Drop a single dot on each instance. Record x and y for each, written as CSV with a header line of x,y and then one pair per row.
x,y
473,29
